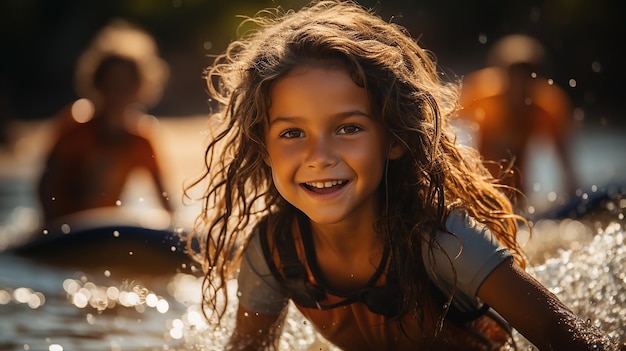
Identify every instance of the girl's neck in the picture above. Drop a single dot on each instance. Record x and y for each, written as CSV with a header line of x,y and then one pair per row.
x,y
349,238
345,257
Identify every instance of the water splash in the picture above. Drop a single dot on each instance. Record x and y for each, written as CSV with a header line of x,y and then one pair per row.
x,y
591,280
83,293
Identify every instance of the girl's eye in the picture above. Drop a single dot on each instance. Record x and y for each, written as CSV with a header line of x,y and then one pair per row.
x,y
291,134
349,129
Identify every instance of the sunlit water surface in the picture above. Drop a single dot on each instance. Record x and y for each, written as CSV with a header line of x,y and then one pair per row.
x,y
51,308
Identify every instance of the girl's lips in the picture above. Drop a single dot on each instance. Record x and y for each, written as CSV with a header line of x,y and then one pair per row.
x,y
324,187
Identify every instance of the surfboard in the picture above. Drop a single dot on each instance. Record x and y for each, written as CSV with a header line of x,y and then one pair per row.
x,y
110,239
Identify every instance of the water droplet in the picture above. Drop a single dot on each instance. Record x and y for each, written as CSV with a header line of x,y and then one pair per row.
x,y
482,38
552,196
5,297
596,66
82,110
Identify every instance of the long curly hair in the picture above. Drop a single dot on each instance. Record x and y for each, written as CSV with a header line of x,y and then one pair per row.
x,y
409,98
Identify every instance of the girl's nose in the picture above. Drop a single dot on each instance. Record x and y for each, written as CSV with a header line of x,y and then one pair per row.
x,y
321,153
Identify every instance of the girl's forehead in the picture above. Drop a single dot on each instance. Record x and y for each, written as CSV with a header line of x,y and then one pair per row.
x,y
319,67
307,78
313,94
333,81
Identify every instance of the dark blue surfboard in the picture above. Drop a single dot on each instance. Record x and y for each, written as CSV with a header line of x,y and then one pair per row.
x,y
108,240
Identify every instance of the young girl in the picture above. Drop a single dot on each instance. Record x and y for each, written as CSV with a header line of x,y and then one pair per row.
x,y
335,182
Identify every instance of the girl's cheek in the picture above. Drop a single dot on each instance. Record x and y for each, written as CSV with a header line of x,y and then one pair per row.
x,y
287,152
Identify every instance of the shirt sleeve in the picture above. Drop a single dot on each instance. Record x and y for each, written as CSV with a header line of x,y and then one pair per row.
x,y
259,291
472,250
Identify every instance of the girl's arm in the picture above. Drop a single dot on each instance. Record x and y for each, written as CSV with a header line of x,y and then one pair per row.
x,y
537,313
263,304
254,331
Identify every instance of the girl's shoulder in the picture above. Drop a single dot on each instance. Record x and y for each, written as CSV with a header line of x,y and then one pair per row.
x,y
463,232
459,219
261,244
463,254
259,289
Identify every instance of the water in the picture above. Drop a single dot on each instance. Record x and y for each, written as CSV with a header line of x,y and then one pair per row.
x,y
44,307
591,279
51,307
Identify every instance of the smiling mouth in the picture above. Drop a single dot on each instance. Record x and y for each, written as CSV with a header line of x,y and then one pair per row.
x,y
325,187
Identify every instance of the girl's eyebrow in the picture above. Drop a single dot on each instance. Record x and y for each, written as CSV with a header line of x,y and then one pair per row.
x,y
280,119
337,116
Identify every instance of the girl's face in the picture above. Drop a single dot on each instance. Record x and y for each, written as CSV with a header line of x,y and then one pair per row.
x,y
326,151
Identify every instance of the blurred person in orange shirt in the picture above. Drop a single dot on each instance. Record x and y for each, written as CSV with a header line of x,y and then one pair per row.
x,y
511,102
105,135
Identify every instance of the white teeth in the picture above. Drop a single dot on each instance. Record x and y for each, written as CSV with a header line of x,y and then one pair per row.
x,y
328,184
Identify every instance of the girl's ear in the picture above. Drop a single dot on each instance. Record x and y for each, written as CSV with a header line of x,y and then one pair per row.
x,y
396,150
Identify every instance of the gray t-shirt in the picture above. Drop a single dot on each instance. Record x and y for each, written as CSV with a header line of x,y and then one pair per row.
x,y
474,251
471,247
